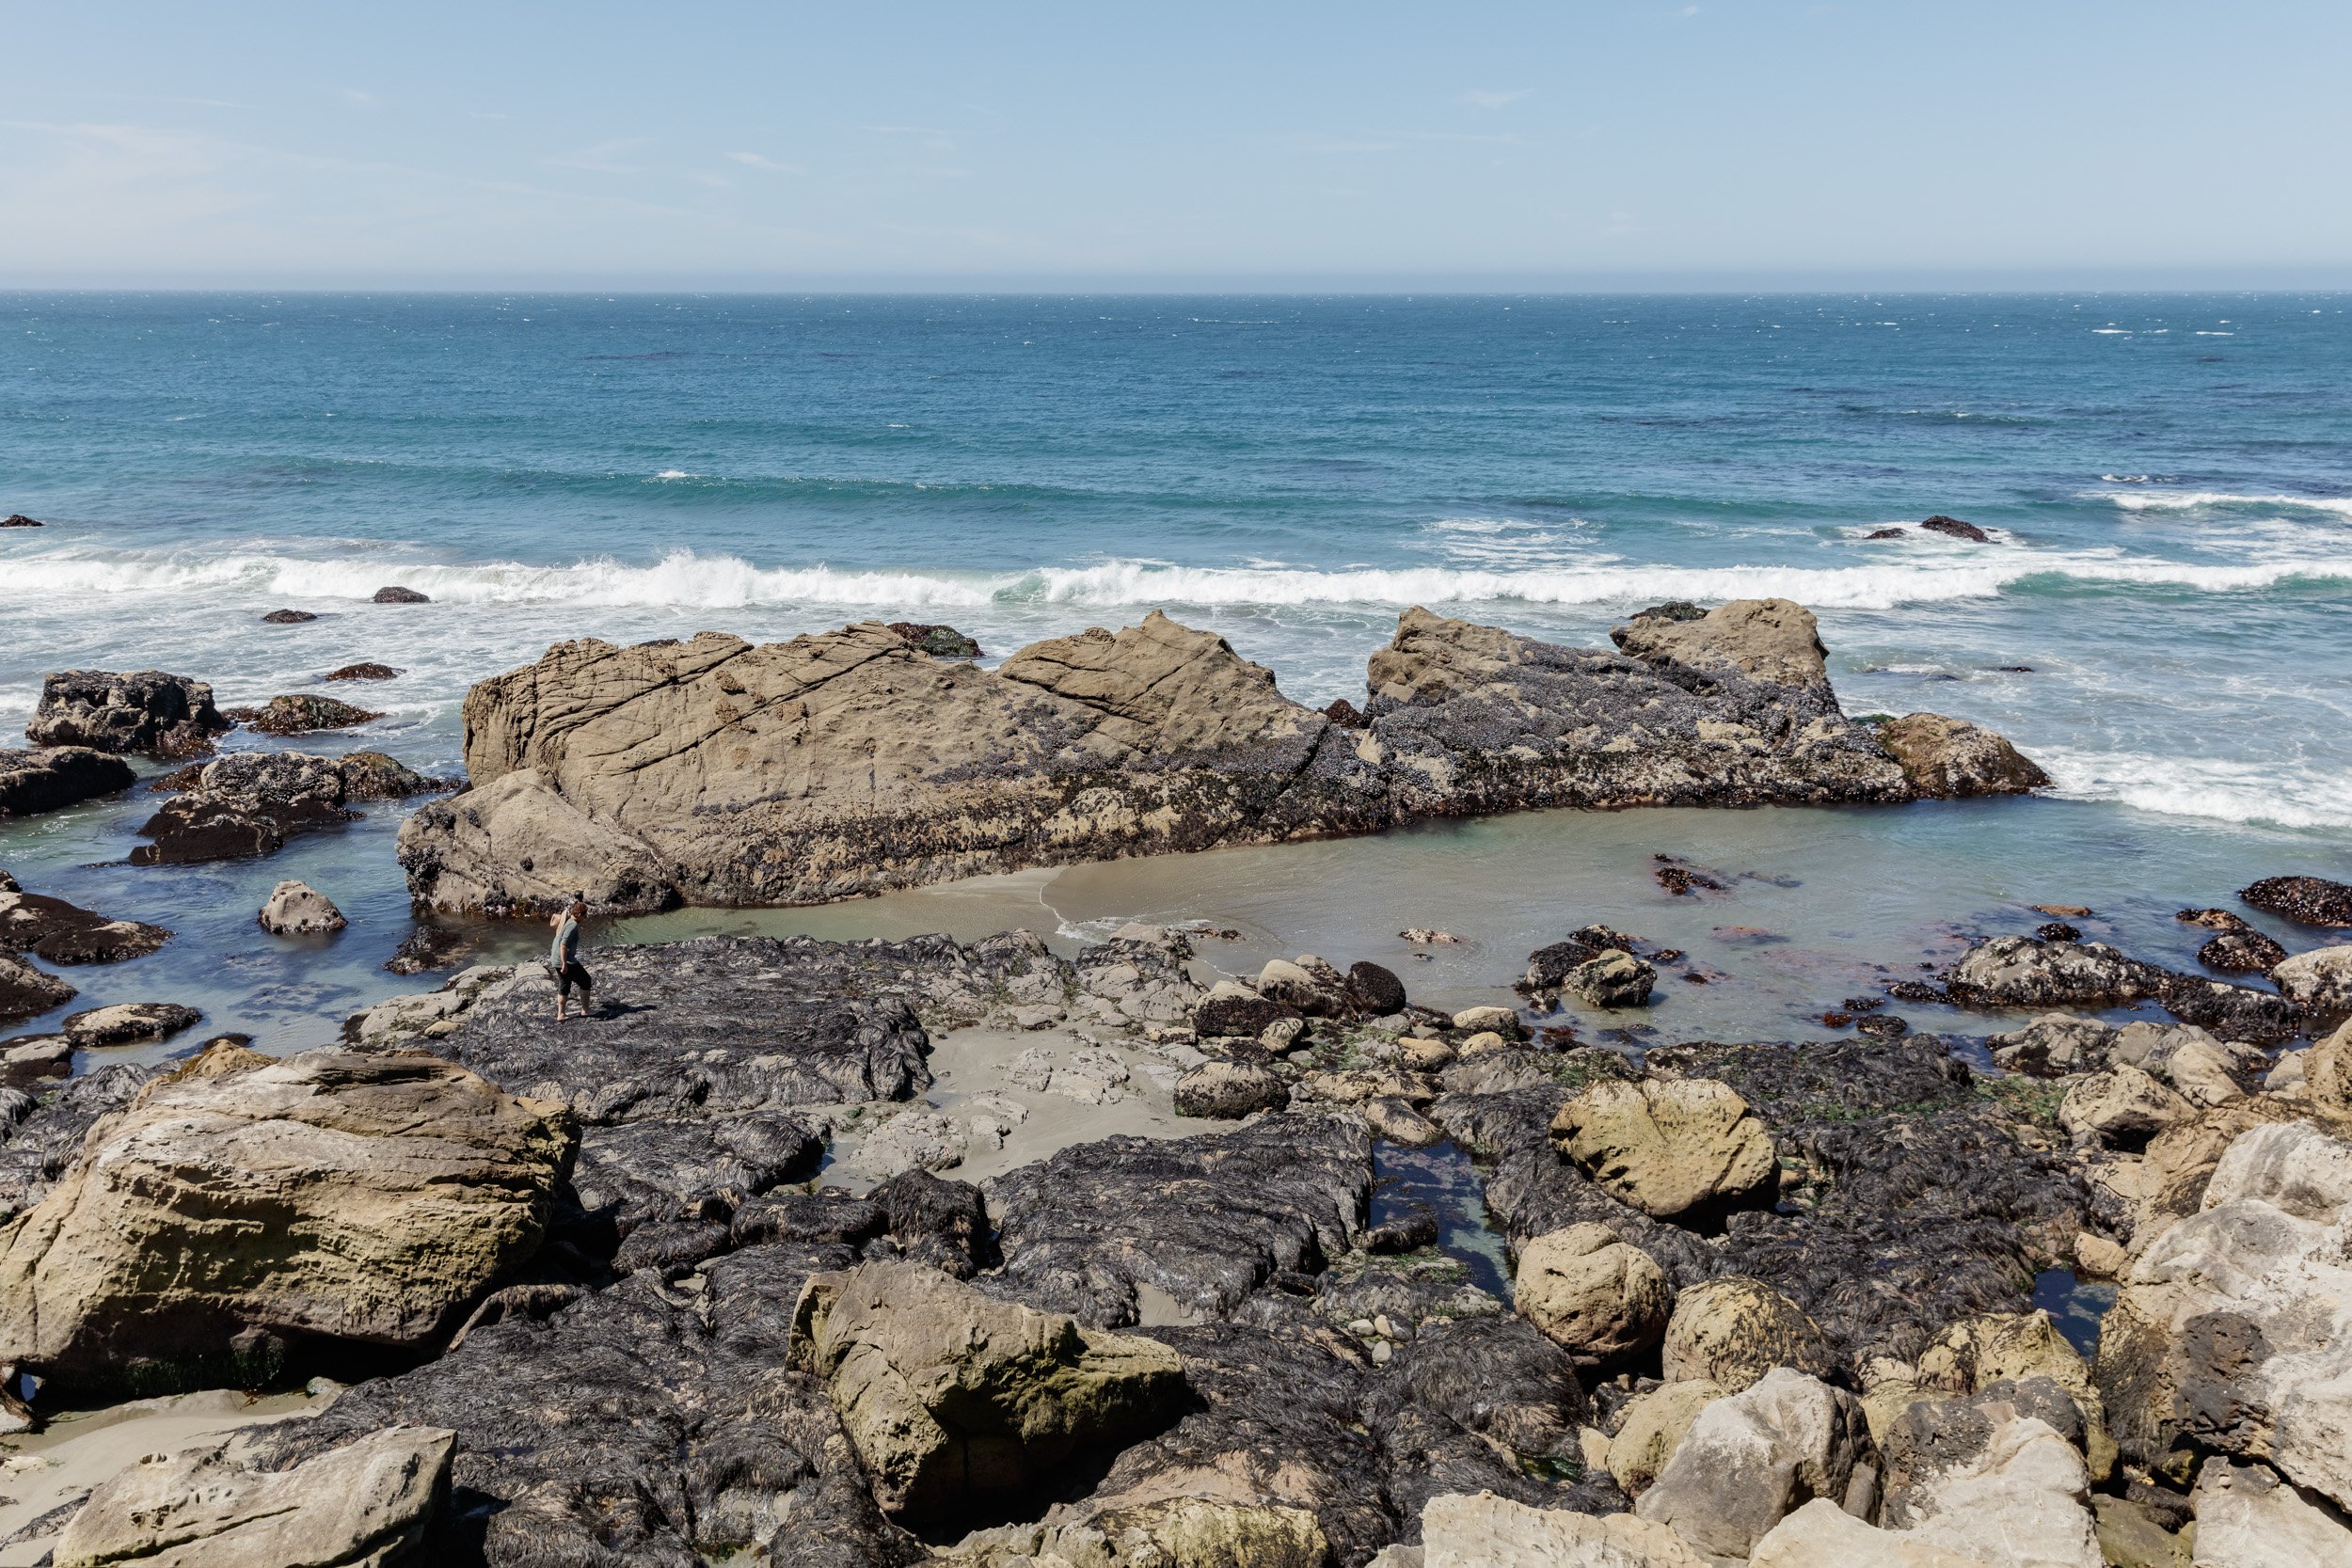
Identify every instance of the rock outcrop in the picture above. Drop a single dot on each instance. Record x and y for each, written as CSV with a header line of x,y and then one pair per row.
x,y
2309,900
146,711
249,803
369,1502
301,713
716,772
1752,1458
50,778
957,1402
25,991
2320,980
1681,1149
297,908
329,1197
2030,973
63,933
1952,759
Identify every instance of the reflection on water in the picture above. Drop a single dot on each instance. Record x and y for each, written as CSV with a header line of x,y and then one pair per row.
x,y
2077,1306
1441,1178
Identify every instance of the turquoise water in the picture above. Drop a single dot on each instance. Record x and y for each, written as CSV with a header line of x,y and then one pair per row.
x,y
2168,479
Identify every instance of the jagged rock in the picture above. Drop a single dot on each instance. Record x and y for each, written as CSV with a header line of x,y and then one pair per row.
x,y
938,641
1988,1481
18,519
2132,1535
1998,1352
1953,527
2328,1070
2053,1045
399,596
1950,759
126,1022
1824,1535
1682,1149
2246,1517
1752,1458
2320,980
1170,1531
1240,1016
912,1141
715,772
1769,640
51,929
50,778
2025,973
165,716
2233,1330
289,617
955,1401
1482,1531
2123,1107
367,669
2308,900
1652,1426
1139,976
25,991
1612,979
373,776
1597,1297
1207,1219
329,1196
427,947
40,1138
301,713
243,806
297,908
367,1502
1229,1090
1733,1330
2246,951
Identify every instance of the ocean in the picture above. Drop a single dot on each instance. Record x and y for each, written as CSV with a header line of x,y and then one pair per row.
x,y
2159,618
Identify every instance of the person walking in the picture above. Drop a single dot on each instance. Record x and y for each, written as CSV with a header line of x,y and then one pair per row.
x,y
564,958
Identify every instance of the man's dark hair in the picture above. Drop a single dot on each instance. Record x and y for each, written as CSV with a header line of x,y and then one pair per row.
x,y
579,898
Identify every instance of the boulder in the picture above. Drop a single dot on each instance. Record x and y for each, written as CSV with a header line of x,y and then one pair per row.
x,y
1296,986
373,776
2123,1107
1597,1297
1240,1016
289,617
2246,951
1373,992
2320,979
147,711
1752,1458
1766,641
243,806
329,1196
1500,1020
2233,1329
1733,1330
1229,1090
364,671
1953,527
25,991
367,1502
853,762
302,713
2053,1045
1612,979
36,925
2308,900
2246,1517
128,1023
396,595
2328,1070
937,640
2006,1350
1986,1482
1483,1531
50,778
297,908
955,1401
1652,1426
1824,1535
1950,759
1680,1149
18,519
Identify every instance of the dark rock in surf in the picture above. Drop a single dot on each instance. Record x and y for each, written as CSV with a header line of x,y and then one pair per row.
x,y
426,948
938,641
365,671
51,778
2307,901
1884,534
18,519
1374,991
288,617
2058,931
399,596
27,992
145,711
374,776
1953,527
301,713
243,806
2246,951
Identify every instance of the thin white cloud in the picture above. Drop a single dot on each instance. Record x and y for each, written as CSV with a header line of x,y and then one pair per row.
x,y
753,160
603,158
352,95
1490,98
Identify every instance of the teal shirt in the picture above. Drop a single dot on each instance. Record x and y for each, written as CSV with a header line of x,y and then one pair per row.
x,y
566,943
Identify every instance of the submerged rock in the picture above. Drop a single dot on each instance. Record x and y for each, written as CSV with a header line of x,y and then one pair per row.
x,y
714,772
396,595
146,711
128,1022
2308,900
329,1197
367,1502
51,778
289,617
367,669
302,713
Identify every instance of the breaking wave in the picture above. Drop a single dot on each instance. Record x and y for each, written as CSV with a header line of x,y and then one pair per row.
x,y
2266,793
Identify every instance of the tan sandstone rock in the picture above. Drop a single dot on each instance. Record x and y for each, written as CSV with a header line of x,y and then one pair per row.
x,y
1482,1531
297,908
1735,1329
1683,1148
1595,1295
343,1196
1950,758
1652,1426
1752,1458
953,1398
1824,1535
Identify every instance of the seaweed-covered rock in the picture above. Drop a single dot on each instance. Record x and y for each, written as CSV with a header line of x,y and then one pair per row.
x,y
1206,1219
937,640
125,1022
2308,900
1229,1090
302,712
146,711
329,1195
2241,952
51,929
40,1137
366,669
2320,979
50,778
397,594
2024,972
1950,759
25,991
243,806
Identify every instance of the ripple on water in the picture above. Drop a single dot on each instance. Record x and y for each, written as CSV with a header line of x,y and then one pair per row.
x,y
1441,1178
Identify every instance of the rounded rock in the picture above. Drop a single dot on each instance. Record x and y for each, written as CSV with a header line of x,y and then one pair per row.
x,y
1735,1329
1593,1293
1229,1090
297,908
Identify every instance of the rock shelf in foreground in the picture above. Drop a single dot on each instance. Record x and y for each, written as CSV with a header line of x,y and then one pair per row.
x,y
717,772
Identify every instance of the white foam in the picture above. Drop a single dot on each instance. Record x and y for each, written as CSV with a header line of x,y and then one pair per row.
x,y
2270,794
2183,500
687,579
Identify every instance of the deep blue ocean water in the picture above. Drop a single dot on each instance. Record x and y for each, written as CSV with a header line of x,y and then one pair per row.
x,y
2168,479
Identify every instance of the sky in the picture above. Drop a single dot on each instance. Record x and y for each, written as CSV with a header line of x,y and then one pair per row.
x,y
1210,144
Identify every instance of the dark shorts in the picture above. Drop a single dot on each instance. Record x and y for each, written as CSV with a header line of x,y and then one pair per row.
x,y
572,974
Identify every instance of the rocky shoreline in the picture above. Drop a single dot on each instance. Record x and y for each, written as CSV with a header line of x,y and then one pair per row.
x,y
695,1278
713,772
